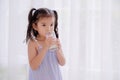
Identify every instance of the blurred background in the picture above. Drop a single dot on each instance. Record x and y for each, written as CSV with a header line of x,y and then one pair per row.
x,y
89,32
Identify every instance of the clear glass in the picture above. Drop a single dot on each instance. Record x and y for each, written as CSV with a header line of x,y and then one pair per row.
x,y
52,47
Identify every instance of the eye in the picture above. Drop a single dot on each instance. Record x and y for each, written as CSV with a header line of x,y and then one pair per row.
x,y
43,25
51,25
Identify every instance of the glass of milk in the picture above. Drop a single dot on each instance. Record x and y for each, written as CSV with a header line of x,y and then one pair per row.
x,y
52,47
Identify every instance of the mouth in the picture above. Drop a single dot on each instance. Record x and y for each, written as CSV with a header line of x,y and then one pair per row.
x,y
48,33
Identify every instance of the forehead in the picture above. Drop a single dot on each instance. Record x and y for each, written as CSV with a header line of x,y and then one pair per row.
x,y
47,19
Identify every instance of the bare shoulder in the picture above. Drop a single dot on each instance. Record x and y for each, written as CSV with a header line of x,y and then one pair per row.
x,y
32,46
31,43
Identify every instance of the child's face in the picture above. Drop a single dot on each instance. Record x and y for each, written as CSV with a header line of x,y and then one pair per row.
x,y
45,25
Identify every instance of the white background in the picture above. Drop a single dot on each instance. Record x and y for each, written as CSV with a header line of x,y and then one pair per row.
x,y
89,32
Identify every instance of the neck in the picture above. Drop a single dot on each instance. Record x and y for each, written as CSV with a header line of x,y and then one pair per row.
x,y
41,38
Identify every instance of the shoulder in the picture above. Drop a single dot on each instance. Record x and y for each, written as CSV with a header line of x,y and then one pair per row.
x,y
32,44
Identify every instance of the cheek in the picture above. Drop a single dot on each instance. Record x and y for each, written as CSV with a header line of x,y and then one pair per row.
x,y
41,29
41,32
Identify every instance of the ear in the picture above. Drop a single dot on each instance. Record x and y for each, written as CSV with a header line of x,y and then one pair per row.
x,y
34,26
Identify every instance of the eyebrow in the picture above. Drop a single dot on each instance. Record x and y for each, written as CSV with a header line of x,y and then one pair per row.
x,y
45,23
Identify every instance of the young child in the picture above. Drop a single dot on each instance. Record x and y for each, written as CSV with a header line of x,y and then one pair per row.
x,y
44,62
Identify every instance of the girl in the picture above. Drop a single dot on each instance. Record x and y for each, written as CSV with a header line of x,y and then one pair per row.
x,y
42,60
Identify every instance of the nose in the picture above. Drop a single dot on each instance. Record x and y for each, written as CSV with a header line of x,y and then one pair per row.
x,y
48,29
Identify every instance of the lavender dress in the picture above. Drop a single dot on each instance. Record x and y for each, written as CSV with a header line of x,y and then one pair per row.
x,y
48,69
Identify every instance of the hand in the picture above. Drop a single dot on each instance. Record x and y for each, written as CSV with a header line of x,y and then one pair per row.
x,y
58,43
49,41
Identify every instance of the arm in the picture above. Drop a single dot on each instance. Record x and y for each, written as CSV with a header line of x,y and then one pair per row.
x,y
35,59
60,56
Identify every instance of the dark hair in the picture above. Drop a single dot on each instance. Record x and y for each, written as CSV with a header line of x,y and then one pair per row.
x,y
34,16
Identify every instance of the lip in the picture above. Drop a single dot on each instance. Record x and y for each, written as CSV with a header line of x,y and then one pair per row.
x,y
48,33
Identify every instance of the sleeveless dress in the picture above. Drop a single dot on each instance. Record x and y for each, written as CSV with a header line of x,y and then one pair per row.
x,y
48,69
